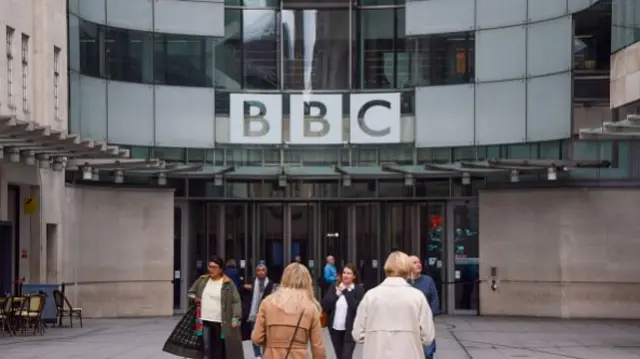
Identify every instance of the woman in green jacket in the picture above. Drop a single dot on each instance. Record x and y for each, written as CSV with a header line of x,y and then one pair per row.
x,y
220,311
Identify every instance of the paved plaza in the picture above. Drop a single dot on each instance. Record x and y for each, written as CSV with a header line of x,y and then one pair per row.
x,y
458,338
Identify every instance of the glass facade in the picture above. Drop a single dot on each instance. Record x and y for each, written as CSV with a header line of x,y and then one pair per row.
x,y
625,23
331,46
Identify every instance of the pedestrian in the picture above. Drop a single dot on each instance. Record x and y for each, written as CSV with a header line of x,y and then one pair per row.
x,y
254,294
394,319
427,286
216,298
341,304
330,272
231,270
290,319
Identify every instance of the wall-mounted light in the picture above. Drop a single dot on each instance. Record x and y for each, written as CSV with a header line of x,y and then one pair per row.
x,y
44,161
551,174
96,175
30,158
217,180
515,176
408,180
118,176
466,178
58,164
14,155
346,181
87,175
162,179
282,181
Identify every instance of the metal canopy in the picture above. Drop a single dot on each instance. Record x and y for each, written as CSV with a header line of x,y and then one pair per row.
x,y
387,171
629,128
32,140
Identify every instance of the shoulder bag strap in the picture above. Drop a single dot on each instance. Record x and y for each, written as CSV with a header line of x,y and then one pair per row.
x,y
293,337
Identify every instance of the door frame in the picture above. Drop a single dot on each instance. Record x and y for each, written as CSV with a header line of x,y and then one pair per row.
x,y
185,246
450,263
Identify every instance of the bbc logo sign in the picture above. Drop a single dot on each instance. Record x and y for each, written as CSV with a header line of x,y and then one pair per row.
x,y
315,119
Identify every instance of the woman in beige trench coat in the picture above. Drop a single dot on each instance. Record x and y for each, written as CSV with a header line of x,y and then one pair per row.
x,y
394,319
289,318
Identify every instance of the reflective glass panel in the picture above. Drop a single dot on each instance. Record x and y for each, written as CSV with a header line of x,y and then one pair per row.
x,y
379,2
383,58
90,35
444,59
253,3
260,49
316,45
183,60
228,52
129,55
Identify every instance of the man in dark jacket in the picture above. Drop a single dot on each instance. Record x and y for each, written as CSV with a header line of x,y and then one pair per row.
x,y
427,286
254,294
231,270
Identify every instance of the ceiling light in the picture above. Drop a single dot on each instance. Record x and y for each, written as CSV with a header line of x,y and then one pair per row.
x,y
118,176
408,180
14,156
162,179
551,174
30,158
346,181
515,176
86,173
217,180
466,178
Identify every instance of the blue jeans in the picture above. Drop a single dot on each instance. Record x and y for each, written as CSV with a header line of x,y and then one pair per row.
x,y
257,350
430,350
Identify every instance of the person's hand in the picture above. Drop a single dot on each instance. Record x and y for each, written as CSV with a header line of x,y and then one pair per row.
x,y
235,323
338,290
196,301
248,287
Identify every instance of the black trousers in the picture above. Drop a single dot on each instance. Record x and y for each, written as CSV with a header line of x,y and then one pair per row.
x,y
213,343
343,343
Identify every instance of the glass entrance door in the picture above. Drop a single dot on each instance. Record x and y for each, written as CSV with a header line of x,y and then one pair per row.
x,y
462,253
367,228
271,222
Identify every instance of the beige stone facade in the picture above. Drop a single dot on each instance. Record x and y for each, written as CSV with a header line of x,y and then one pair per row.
x,y
625,76
569,253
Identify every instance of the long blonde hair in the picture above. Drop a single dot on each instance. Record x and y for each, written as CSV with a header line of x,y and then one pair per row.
x,y
295,291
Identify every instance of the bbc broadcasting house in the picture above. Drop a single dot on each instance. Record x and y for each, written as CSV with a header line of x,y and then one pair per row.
x,y
494,138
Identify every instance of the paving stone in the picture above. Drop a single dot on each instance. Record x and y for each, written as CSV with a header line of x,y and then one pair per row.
x,y
457,338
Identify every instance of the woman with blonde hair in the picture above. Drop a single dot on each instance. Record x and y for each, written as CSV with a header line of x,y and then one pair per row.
x,y
394,319
289,318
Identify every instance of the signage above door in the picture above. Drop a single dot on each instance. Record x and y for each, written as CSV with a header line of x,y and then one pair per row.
x,y
315,119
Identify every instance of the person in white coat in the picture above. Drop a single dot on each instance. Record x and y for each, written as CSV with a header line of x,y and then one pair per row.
x,y
394,319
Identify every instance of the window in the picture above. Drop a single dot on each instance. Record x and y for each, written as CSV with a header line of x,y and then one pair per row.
x,y
91,52
445,59
56,82
10,33
128,55
25,73
383,51
183,60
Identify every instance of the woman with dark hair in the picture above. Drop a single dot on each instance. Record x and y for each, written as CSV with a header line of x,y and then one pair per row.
x,y
216,300
341,304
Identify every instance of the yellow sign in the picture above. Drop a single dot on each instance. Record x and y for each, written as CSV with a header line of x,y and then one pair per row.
x,y
30,205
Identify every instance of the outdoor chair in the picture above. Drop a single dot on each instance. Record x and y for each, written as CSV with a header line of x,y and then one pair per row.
x,y
65,309
6,316
31,314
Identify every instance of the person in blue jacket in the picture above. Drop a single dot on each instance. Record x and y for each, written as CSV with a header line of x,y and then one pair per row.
x,y
231,270
426,285
330,272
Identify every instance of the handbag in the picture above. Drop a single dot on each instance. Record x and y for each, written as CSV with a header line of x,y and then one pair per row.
x,y
324,319
293,337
